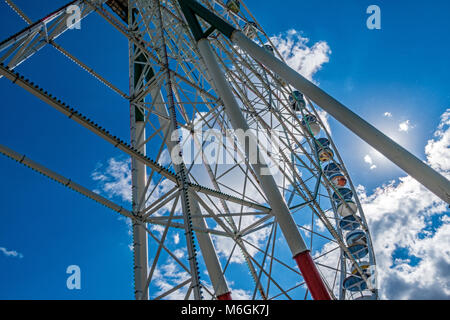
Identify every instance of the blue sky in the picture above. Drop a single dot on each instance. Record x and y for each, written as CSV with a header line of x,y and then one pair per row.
x,y
402,69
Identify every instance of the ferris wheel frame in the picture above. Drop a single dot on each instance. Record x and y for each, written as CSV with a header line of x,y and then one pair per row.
x,y
223,46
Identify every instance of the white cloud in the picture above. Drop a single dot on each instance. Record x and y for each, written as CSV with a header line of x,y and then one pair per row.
x,y
129,224
239,294
437,151
176,238
331,260
404,126
323,115
411,230
179,253
164,159
11,253
388,114
225,245
307,60
166,277
368,160
115,180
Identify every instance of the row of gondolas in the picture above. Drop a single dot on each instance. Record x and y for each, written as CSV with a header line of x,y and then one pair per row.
x,y
343,198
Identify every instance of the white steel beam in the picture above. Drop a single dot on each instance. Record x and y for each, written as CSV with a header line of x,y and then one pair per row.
x,y
279,207
209,253
39,33
74,115
412,165
66,53
22,159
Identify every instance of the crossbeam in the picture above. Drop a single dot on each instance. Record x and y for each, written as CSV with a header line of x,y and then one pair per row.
x,y
22,159
76,116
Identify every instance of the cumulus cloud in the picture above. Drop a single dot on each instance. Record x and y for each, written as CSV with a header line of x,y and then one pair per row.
x,y
176,238
304,58
410,228
11,253
168,276
437,149
115,179
307,60
326,257
225,245
239,294
411,231
404,126
368,160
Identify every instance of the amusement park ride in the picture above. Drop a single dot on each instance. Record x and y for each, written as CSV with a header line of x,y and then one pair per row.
x,y
208,65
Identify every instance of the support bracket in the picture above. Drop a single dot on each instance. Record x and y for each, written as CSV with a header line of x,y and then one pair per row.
x,y
192,10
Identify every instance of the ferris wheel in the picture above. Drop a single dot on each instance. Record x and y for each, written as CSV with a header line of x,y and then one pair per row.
x,y
228,155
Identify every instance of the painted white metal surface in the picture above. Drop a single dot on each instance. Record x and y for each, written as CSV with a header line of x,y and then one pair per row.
x,y
415,167
276,201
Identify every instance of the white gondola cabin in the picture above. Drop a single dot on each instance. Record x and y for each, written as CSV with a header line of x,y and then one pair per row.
x,y
297,101
335,175
357,244
355,282
310,124
323,149
349,223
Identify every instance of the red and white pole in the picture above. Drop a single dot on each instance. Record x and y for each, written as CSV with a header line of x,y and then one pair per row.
x,y
311,275
279,207
225,297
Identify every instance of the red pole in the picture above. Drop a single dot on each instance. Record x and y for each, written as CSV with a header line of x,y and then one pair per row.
x,y
312,277
226,296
